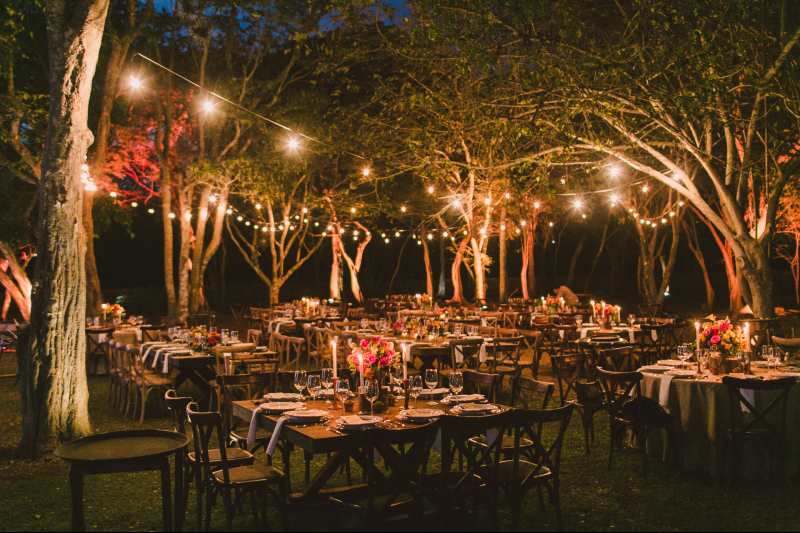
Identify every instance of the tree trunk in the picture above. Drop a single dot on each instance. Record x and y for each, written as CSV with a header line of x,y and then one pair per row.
x,y
442,288
94,292
166,221
275,292
336,268
52,358
426,256
455,271
185,261
694,246
196,299
757,273
502,245
480,273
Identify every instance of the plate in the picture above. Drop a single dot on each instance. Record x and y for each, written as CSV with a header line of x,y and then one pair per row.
x,y
281,407
669,362
474,409
422,415
433,392
655,369
464,398
283,397
357,422
682,373
306,416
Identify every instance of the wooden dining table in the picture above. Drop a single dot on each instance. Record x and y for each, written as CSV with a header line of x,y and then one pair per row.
x,y
324,438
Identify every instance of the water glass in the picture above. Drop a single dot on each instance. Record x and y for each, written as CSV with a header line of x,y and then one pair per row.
x,y
326,377
300,380
431,378
456,382
342,391
314,386
371,390
415,388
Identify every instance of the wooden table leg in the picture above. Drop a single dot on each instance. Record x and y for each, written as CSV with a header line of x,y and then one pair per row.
x,y
76,493
166,495
180,487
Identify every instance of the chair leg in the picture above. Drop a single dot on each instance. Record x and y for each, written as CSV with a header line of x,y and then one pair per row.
x,y
199,490
229,508
145,394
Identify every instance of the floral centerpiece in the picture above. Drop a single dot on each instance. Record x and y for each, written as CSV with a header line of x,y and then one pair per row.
x,y
372,358
552,304
398,326
605,313
721,336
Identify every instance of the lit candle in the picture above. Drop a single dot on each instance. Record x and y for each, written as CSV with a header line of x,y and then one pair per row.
x,y
333,354
404,349
747,336
594,312
697,334
360,369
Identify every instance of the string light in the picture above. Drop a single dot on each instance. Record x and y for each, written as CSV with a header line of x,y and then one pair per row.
x,y
207,106
134,204
431,189
135,83
293,143
537,204
353,210
171,216
113,194
403,209
151,211
456,203
577,204
258,206
366,171
614,171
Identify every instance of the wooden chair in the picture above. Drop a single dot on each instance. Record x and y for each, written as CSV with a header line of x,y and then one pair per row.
x,y
399,496
242,387
201,319
505,355
97,348
628,410
764,426
152,333
523,467
527,393
482,383
468,348
571,373
229,471
143,383
623,359
788,345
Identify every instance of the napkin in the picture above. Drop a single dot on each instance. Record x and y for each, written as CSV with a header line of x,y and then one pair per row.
x,y
251,432
406,349
433,392
654,335
465,398
352,420
276,433
482,353
663,391
561,333
165,361
284,396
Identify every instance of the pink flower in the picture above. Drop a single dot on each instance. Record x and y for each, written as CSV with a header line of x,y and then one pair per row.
x,y
715,339
364,343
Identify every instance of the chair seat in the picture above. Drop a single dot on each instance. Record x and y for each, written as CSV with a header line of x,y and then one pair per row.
x,y
506,444
506,475
155,380
249,475
235,456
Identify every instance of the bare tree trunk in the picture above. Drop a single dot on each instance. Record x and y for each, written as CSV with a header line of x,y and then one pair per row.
x,y
442,288
426,256
196,279
17,286
336,269
166,221
185,261
52,358
502,245
600,249
480,273
455,271
694,246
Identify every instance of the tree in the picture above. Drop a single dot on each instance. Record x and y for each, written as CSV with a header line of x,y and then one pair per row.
x,y
17,285
53,350
788,245
280,204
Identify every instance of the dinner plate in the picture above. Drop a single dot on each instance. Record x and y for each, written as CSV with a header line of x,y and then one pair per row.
x,y
281,407
357,422
283,397
681,373
422,415
474,409
669,362
464,398
655,369
433,392
306,416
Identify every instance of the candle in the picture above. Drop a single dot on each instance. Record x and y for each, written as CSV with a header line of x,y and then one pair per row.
x,y
360,369
594,313
697,334
333,355
747,336
404,349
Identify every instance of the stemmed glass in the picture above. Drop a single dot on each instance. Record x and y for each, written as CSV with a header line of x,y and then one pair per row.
x,y
684,353
326,378
702,361
371,391
415,388
631,319
771,356
342,391
579,321
456,382
431,378
300,380
314,386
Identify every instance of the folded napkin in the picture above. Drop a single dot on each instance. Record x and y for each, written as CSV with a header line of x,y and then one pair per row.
x,y
654,335
663,391
482,353
167,354
276,433
284,396
251,432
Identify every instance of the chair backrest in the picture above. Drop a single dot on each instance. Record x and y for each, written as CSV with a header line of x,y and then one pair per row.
x,y
177,408
507,349
469,349
95,346
545,428
527,392
152,333
771,418
622,359
201,319
482,383
618,388
568,369
788,345
204,426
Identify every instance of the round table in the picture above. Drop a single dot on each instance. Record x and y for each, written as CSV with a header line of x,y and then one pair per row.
x,y
127,451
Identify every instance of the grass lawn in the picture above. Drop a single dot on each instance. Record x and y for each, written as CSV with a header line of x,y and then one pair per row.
x,y
35,495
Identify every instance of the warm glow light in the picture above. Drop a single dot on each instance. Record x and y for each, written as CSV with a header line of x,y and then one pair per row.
x,y
550,224
537,204
396,234
506,195
113,194
386,240
577,204
329,228
430,236
240,218
365,171
207,106
293,143
134,204
431,189
445,234
487,200
645,187
613,199
90,186
456,203
212,198
352,209
187,216
523,223
305,210
229,211
258,206
403,209
614,171
171,216
135,82
151,210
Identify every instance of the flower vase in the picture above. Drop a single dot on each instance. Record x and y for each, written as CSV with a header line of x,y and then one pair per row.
x,y
715,363
384,397
605,323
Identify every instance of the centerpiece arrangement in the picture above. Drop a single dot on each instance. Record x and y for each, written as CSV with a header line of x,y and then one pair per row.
x,y
606,314
373,358
723,341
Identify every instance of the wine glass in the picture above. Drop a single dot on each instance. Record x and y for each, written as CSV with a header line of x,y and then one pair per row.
x,y
702,361
314,385
456,382
342,391
631,319
326,377
431,378
415,388
579,321
371,391
300,380
684,353
770,355
234,336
